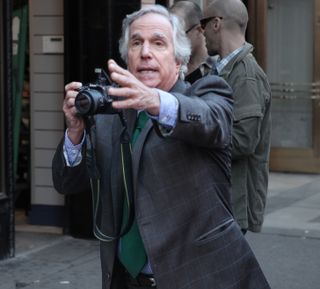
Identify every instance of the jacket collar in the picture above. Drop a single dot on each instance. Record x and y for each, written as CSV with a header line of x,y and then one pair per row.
x,y
247,49
180,86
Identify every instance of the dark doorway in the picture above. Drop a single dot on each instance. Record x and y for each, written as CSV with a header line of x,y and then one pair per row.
x,y
21,106
6,138
92,29
162,2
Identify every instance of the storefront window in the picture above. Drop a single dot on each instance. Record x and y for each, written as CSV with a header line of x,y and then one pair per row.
x,y
290,70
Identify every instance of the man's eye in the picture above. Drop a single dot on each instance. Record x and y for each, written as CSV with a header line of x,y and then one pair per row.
x,y
158,43
135,43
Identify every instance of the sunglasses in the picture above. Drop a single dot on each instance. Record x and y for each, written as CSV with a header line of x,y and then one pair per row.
x,y
193,26
205,21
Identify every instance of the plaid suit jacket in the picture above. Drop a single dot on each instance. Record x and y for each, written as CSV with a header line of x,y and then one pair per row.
x,y
182,193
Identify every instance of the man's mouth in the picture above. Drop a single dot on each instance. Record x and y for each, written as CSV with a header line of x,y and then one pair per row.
x,y
146,70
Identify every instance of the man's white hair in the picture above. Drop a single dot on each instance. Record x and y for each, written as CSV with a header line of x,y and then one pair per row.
x,y
181,43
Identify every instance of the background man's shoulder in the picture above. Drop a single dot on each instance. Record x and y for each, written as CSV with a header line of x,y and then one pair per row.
x,y
211,84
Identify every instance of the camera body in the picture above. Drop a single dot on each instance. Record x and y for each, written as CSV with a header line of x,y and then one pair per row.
x,y
93,98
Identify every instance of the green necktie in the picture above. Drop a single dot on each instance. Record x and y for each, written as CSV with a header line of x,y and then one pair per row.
x,y
132,253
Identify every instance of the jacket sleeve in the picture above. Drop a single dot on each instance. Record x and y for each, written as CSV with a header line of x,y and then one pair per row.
x,y
249,107
69,180
205,114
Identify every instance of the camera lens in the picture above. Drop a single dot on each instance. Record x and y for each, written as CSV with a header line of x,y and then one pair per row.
x,y
83,103
88,101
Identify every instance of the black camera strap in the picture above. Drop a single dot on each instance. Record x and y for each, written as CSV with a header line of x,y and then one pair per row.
x,y
126,165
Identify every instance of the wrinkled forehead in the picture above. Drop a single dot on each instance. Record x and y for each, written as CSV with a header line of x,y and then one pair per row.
x,y
151,24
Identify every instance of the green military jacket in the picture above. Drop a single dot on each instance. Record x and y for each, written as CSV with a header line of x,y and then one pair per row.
x,y
251,138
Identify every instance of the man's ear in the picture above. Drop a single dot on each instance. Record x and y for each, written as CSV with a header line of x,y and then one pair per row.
x,y
178,67
216,23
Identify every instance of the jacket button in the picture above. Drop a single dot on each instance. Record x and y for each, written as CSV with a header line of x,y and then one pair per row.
x,y
108,276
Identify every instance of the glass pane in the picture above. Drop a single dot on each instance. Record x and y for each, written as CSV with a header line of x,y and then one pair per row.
x,y
289,67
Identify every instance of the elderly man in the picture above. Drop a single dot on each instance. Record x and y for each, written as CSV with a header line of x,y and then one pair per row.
x,y
183,234
224,24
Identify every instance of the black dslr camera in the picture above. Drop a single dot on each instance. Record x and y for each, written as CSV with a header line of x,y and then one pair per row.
x,y
94,98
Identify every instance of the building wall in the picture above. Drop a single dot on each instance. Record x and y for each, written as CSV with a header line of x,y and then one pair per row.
x,y
47,122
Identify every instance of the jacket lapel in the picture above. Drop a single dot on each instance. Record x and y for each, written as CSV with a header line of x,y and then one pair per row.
x,y
117,186
130,115
137,150
180,86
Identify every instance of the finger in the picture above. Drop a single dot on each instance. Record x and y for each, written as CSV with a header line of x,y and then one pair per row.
x,y
114,67
122,80
70,97
74,112
70,101
71,112
125,104
111,61
73,86
71,94
123,92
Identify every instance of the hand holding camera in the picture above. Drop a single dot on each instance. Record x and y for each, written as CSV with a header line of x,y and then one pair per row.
x,y
94,98
74,123
106,96
122,91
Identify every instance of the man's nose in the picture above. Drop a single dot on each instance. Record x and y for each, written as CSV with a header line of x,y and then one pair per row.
x,y
146,50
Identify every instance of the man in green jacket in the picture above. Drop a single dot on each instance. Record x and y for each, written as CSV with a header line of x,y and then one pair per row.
x,y
224,24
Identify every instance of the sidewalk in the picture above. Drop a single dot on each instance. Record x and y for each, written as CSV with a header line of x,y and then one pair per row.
x,y
56,262
288,248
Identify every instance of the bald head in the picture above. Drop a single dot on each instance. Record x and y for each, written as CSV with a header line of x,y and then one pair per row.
x,y
188,11
234,12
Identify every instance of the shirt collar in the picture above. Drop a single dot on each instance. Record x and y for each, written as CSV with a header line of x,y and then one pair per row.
x,y
222,63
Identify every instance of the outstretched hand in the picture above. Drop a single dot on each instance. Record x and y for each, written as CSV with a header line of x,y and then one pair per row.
x,y
132,92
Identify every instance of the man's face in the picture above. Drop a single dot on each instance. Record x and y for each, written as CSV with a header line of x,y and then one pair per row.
x,y
197,40
151,54
211,40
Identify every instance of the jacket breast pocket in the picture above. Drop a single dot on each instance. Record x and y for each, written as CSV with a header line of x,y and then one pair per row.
x,y
218,232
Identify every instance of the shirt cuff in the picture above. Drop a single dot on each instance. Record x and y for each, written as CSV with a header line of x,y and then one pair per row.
x,y
168,110
72,153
